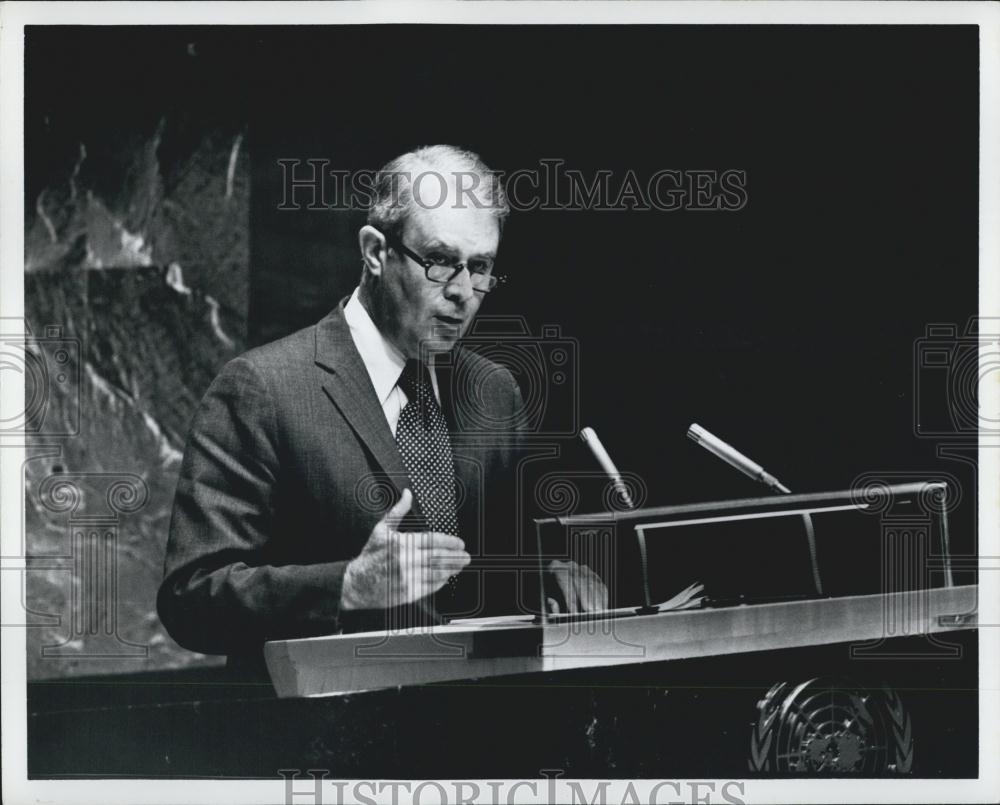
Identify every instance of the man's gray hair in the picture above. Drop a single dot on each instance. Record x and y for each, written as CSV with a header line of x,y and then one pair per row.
x,y
432,169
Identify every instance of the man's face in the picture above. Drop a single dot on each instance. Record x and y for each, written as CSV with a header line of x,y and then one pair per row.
x,y
420,313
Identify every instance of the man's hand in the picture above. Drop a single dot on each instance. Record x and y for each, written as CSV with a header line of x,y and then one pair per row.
x,y
398,567
581,588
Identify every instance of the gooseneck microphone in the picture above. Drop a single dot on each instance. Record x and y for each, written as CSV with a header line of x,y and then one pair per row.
x,y
734,457
589,438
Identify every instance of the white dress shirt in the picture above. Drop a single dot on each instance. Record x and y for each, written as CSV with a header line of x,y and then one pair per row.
x,y
382,360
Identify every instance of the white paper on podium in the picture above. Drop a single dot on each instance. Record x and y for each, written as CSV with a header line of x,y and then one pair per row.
x,y
688,598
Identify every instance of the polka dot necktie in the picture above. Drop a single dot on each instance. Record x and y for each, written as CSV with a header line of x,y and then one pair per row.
x,y
422,437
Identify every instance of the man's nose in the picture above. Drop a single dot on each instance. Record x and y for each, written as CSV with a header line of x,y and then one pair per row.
x,y
459,287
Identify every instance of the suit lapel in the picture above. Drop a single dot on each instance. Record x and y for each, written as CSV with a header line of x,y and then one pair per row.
x,y
347,384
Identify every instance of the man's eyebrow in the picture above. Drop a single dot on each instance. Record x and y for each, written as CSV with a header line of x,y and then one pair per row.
x,y
440,245
435,243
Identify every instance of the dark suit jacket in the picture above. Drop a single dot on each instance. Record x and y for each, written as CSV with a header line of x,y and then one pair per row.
x,y
289,465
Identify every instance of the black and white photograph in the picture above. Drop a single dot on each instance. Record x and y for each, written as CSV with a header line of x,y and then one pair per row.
x,y
500,402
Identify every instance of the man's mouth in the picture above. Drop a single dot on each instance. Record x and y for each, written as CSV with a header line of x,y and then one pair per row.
x,y
449,320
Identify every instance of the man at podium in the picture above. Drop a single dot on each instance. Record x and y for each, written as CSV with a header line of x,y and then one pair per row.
x,y
324,486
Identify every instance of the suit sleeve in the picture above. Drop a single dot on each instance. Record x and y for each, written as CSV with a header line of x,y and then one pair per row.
x,y
219,595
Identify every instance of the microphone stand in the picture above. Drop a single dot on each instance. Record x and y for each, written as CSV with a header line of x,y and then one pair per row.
x,y
780,489
731,456
589,437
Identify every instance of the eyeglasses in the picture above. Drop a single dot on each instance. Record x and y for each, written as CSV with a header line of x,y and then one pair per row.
x,y
442,268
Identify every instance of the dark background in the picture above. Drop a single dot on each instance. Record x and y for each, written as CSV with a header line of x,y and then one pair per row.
x,y
788,327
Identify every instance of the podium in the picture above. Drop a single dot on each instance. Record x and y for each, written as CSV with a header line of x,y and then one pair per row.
x,y
875,677
761,570
831,617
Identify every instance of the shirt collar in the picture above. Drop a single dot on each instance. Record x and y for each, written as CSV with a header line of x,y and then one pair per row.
x,y
382,360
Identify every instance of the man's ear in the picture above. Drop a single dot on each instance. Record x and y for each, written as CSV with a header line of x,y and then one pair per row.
x,y
373,249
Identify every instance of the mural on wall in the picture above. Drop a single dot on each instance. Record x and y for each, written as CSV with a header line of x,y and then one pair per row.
x,y
136,275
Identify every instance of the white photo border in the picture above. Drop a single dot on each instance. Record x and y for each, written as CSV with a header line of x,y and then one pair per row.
x,y
15,15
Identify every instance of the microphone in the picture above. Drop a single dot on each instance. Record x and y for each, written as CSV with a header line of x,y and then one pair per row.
x,y
734,457
589,438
